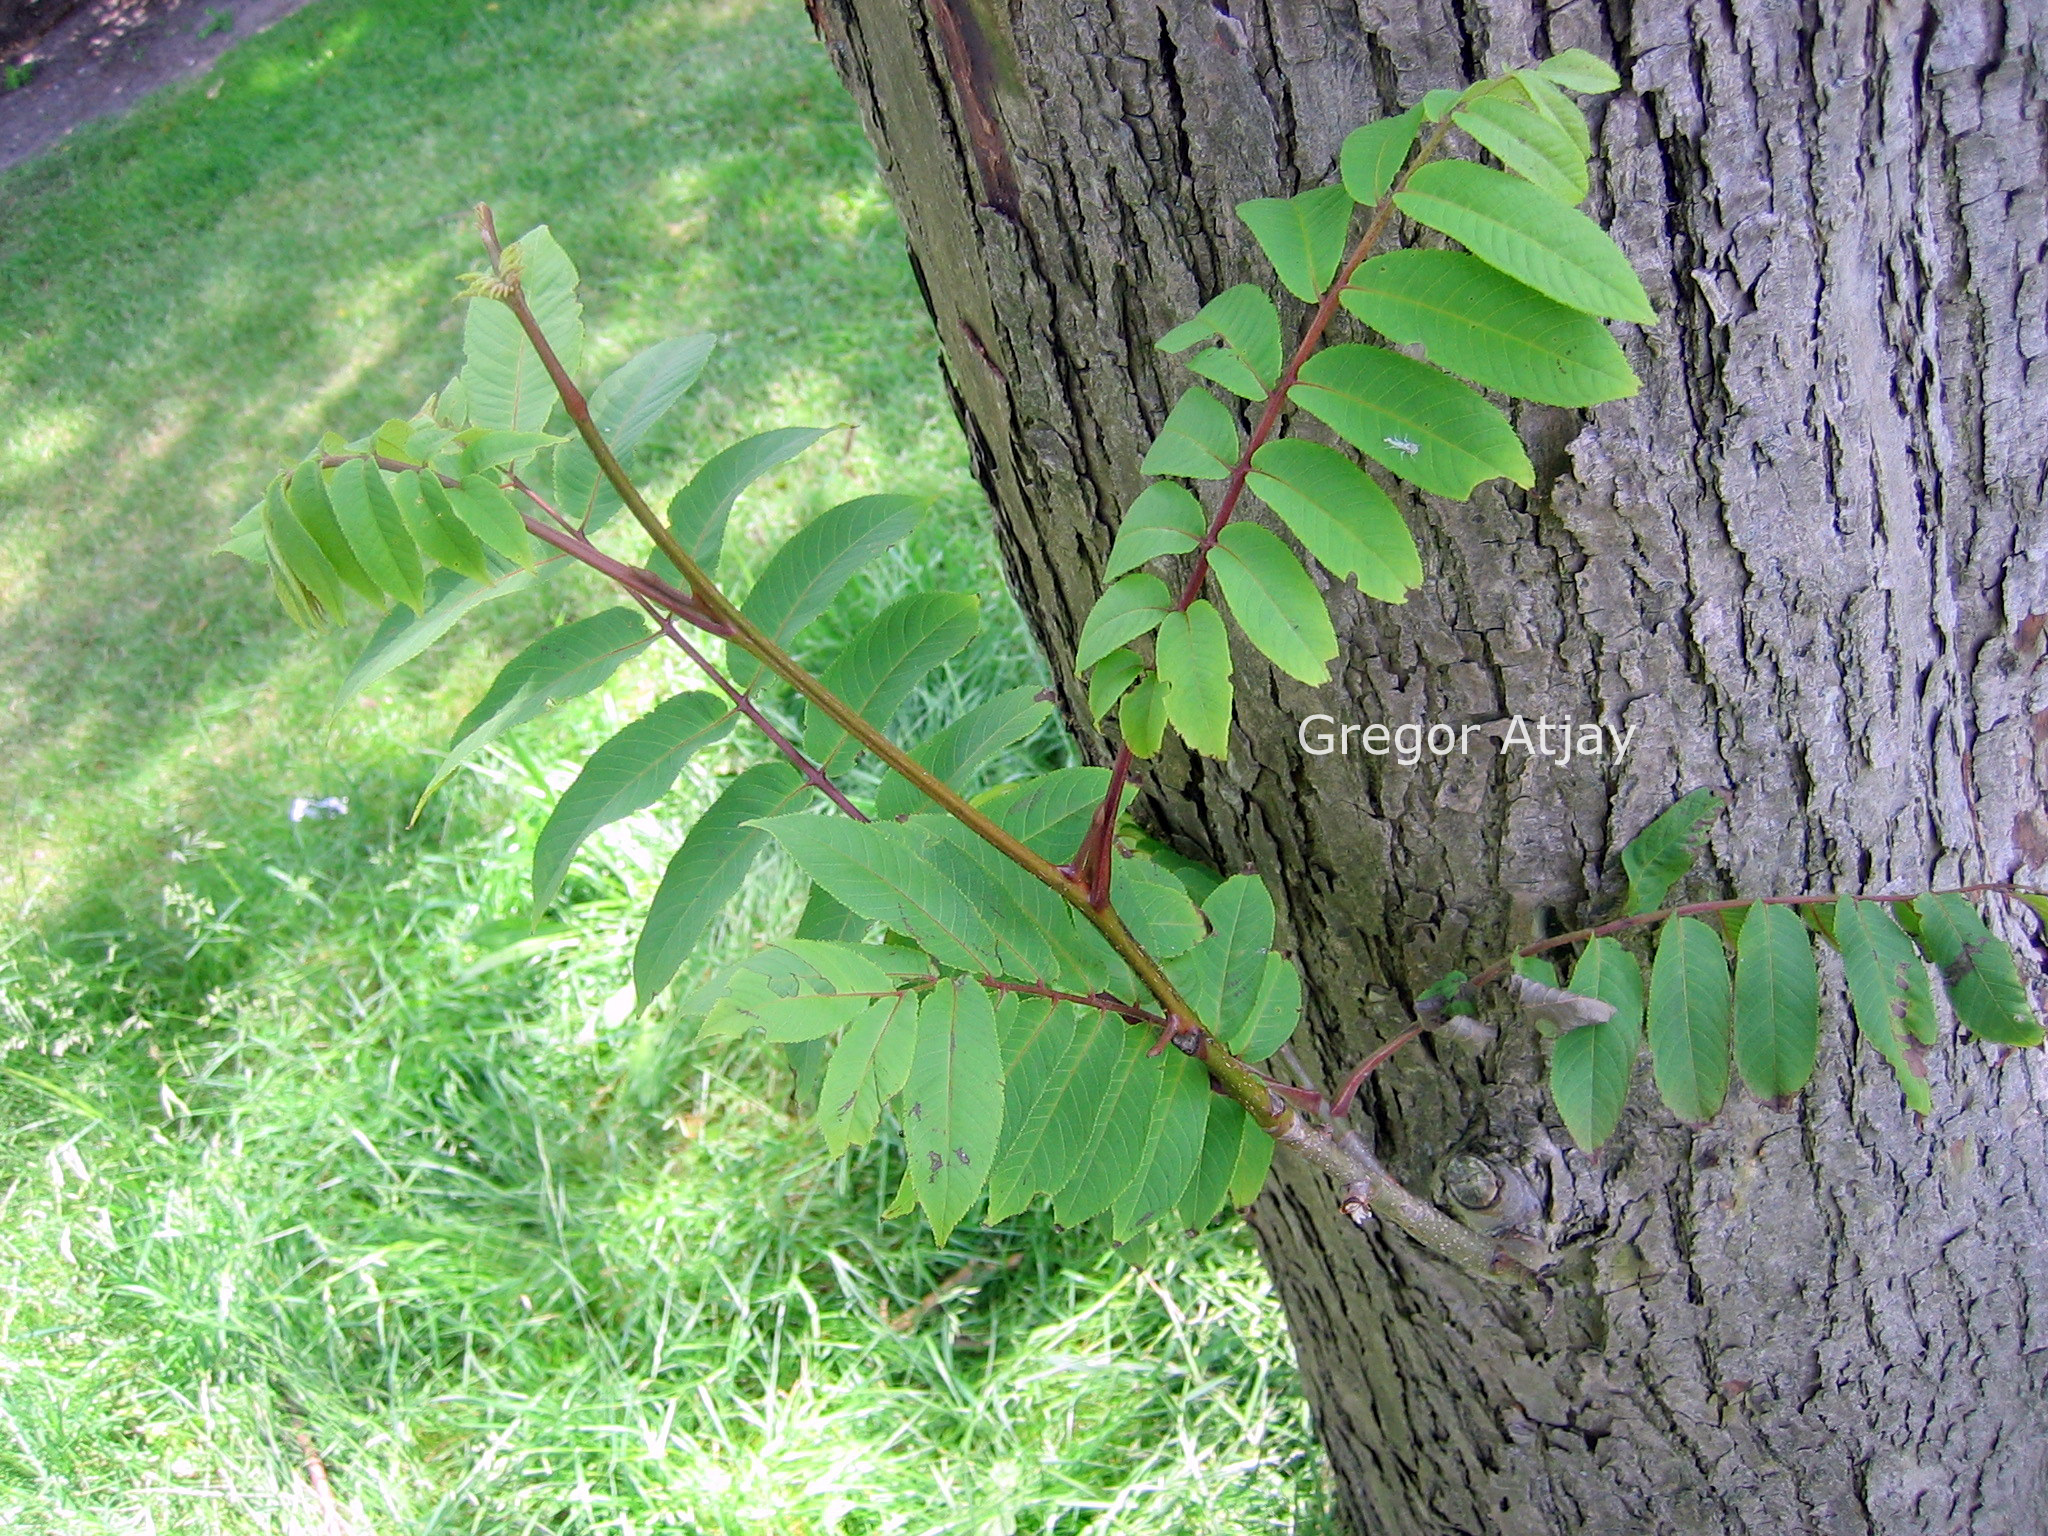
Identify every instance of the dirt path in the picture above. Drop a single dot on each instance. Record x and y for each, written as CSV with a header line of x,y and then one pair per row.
x,y
109,54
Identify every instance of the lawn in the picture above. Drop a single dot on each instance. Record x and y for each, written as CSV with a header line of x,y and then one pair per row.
x,y
319,1166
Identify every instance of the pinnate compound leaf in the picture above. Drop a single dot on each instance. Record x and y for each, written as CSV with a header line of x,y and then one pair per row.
x,y
1111,680
1172,1148
1888,990
953,1103
402,635
1340,515
870,1063
628,773
1689,998
1275,1012
1274,602
1156,907
1164,520
953,753
1422,424
882,663
1198,440
1777,1002
376,531
1523,231
707,871
1977,972
1578,70
502,376
697,514
1303,237
1484,326
800,579
1115,1152
562,664
1529,143
893,873
1128,608
1143,717
1195,668
1590,1066
1374,154
1660,855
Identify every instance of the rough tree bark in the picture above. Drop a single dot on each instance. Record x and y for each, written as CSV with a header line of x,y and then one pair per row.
x,y
1806,565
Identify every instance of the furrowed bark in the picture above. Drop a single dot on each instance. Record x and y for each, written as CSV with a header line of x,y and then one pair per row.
x,y
1806,565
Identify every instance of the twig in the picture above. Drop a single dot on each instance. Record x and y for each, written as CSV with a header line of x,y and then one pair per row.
x,y
912,1315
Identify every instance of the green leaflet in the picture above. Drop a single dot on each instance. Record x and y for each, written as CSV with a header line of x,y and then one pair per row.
x,y
1274,602
1222,1143
1529,143
245,537
1523,231
1275,1012
1340,515
881,664
1143,717
1050,813
402,636
1254,1158
706,871
871,1062
486,450
502,376
1128,608
1173,1145
1689,1019
1977,971
489,514
1033,929
1659,856
561,664
1198,439
824,917
1435,104
1156,907
1888,990
1590,1066
1164,520
796,991
953,1104
306,494
1547,99
1248,362
1116,1149
375,530
1194,669
1777,1002
1578,70
1422,424
1111,680
431,519
1303,237
1373,155
1486,327
628,773
1220,977
895,874
697,513
800,579
634,397
1060,1087
299,558
952,753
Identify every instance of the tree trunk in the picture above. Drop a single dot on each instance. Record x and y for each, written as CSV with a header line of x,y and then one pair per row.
x,y
1807,565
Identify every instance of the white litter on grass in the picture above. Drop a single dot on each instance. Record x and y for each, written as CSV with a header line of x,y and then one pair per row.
x,y
324,809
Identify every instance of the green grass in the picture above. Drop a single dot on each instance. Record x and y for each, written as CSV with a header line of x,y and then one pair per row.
x,y
305,1136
